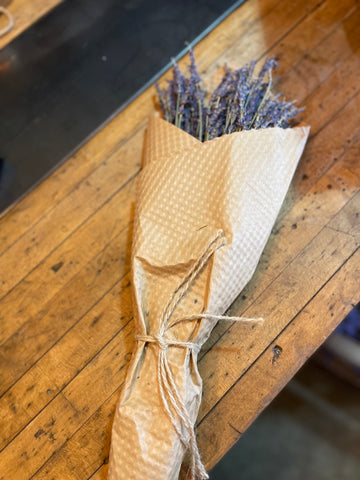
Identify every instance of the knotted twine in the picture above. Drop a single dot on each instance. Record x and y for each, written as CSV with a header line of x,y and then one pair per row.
x,y
171,398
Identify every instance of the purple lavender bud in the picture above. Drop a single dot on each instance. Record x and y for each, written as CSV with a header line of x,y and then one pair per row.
x,y
269,64
241,101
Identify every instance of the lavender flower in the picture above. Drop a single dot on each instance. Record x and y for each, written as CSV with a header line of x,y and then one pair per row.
x,y
241,101
195,99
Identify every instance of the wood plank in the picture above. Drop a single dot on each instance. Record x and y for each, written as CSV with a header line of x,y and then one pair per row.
x,y
69,177
41,332
100,474
69,215
26,13
70,257
277,304
67,411
348,222
50,429
331,96
285,21
225,423
86,450
320,60
79,345
317,25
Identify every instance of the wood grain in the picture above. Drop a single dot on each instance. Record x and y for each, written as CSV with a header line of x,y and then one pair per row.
x,y
225,423
65,294
26,13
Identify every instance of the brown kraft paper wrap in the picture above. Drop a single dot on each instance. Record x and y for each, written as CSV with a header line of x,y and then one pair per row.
x,y
203,216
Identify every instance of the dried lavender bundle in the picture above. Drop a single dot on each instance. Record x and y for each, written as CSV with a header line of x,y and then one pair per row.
x,y
241,101
204,214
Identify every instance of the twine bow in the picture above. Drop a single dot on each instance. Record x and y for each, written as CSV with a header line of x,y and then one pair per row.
x,y
171,398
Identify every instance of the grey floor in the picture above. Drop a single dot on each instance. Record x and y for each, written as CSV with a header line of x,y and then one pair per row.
x,y
310,431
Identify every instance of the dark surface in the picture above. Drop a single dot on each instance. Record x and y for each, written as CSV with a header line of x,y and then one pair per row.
x,y
67,74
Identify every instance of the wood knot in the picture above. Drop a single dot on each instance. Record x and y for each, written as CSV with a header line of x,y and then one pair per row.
x,y
277,351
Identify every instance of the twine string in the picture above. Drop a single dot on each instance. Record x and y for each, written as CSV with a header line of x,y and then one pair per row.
x,y
171,398
10,18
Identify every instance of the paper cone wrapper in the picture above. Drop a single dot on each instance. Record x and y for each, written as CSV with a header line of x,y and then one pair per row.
x,y
188,192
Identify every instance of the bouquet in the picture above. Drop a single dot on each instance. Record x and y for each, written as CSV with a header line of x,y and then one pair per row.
x,y
216,172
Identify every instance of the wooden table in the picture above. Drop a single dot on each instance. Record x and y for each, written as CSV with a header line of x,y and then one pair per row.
x,y
24,13
65,311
